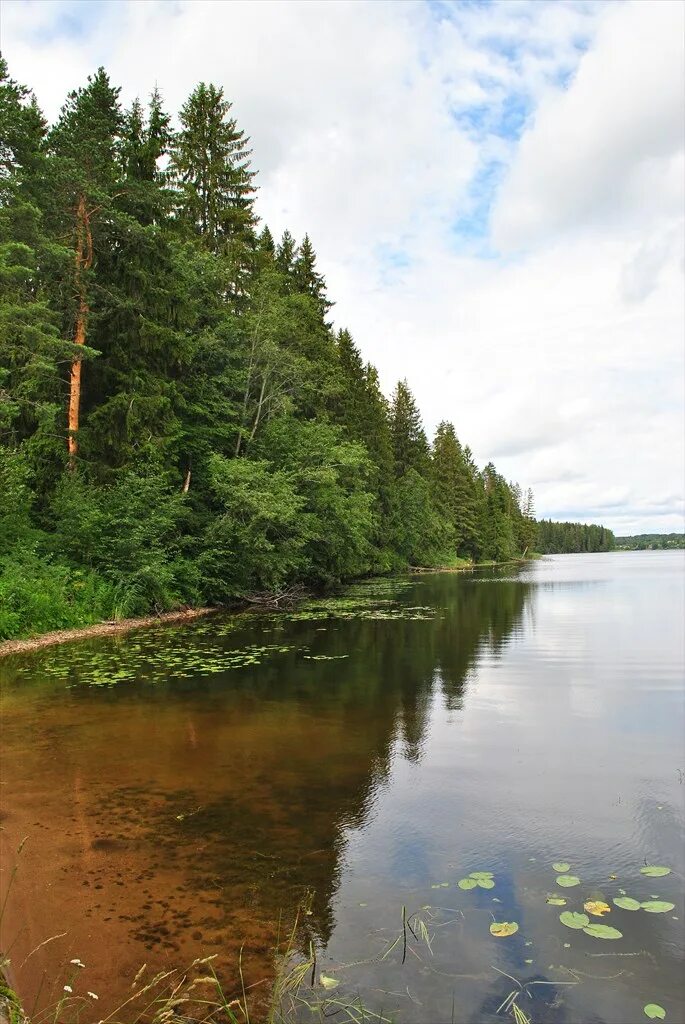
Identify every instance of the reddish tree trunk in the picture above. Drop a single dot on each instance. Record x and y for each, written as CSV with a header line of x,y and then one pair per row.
x,y
84,260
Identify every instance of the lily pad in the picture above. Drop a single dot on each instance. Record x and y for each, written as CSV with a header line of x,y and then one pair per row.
x,y
654,1011
657,906
567,881
478,875
627,903
598,908
556,901
486,883
503,928
328,982
654,871
465,883
561,867
603,931
573,920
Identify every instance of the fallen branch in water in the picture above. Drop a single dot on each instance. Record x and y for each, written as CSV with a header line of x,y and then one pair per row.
x,y
277,598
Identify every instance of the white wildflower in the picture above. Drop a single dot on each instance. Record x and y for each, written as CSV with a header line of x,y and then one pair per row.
x,y
77,962
68,988
93,996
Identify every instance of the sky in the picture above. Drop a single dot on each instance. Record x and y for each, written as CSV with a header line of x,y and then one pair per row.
x,y
494,191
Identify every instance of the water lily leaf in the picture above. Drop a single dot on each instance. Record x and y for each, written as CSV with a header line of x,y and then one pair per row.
x,y
328,982
597,907
556,901
654,871
568,880
655,1012
627,903
486,883
603,931
573,920
657,906
527,961
561,867
464,883
503,928
481,874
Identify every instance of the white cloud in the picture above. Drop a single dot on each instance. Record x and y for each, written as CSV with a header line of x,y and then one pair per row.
x,y
553,339
596,150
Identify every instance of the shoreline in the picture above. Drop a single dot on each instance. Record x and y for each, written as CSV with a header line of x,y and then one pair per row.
x,y
62,636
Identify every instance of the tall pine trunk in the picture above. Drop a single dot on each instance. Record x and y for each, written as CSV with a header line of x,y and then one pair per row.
x,y
84,261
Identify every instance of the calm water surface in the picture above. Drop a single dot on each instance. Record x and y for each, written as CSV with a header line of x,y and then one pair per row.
x,y
181,788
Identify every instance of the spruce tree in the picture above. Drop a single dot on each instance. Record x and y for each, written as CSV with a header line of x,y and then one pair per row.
x,y
285,256
454,489
307,279
409,443
32,347
210,164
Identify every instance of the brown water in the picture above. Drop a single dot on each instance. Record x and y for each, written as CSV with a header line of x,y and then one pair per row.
x,y
184,789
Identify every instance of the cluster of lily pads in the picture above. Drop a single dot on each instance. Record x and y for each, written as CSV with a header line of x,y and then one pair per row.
x,y
598,908
151,662
581,920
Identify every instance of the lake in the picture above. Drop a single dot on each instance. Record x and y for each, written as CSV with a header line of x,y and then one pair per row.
x,y
184,790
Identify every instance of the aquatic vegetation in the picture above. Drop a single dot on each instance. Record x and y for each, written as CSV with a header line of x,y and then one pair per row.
x,y
556,901
627,903
603,931
561,867
328,982
597,907
654,1011
325,657
572,919
657,906
149,660
502,929
653,871
483,879
566,881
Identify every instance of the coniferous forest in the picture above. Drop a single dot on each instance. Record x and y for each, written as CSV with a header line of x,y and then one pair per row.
x,y
180,423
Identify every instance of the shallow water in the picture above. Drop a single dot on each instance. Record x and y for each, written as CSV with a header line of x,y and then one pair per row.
x,y
183,788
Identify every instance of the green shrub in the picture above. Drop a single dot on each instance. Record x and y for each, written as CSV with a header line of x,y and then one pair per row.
x,y
41,594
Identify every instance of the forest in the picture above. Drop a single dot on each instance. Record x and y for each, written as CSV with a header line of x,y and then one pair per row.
x,y
180,422
571,538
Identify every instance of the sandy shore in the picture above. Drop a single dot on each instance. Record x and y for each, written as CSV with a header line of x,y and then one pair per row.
x,y
62,636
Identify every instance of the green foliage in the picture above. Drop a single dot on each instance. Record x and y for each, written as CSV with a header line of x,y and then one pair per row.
x,y
651,542
39,594
228,439
254,541
568,538
130,531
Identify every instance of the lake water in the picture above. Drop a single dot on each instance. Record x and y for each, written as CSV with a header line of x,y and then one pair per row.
x,y
182,789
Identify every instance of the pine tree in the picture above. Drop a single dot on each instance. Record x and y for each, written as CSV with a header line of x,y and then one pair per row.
x,y
86,142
